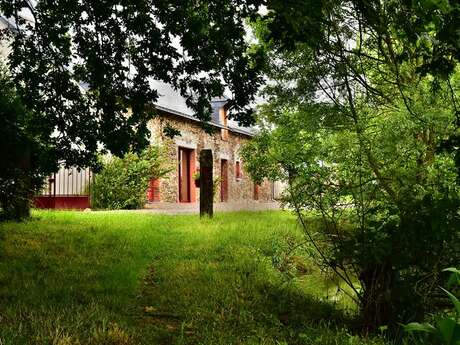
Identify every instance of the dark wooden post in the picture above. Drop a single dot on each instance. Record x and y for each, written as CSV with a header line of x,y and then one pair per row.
x,y
206,184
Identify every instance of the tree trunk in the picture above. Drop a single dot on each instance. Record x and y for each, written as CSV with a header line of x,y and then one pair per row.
x,y
377,306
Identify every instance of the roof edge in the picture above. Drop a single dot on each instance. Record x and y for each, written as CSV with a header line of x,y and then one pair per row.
x,y
192,118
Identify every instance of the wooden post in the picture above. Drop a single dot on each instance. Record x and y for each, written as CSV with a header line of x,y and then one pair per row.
x,y
206,184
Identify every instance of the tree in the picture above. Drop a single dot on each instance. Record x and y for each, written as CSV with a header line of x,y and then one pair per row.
x,y
24,159
358,111
83,69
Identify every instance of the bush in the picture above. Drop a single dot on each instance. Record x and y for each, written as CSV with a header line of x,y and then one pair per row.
x,y
122,183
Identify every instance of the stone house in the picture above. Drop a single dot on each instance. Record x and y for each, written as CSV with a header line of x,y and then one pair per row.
x,y
70,188
234,185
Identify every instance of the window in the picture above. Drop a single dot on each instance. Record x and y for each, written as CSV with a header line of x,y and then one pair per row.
x,y
238,174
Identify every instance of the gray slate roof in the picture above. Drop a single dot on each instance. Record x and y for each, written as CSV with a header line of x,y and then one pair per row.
x,y
171,101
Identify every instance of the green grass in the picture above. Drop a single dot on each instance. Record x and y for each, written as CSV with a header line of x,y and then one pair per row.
x,y
133,278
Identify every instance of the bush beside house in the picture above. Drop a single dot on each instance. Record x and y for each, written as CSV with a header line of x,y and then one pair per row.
x,y
122,183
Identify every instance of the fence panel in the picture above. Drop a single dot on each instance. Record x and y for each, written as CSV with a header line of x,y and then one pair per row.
x,y
69,188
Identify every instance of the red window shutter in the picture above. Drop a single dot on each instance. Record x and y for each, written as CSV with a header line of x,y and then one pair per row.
x,y
153,192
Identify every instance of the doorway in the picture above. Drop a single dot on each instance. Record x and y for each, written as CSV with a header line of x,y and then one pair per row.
x,y
185,174
223,180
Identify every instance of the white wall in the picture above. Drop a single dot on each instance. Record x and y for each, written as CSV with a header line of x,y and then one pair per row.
x,y
68,182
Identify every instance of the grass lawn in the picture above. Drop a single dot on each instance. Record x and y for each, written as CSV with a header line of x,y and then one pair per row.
x,y
135,278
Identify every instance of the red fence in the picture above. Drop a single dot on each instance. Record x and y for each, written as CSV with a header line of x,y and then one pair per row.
x,y
67,189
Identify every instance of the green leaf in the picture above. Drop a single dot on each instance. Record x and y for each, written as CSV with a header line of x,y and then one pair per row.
x,y
452,269
383,328
449,330
419,327
454,277
454,300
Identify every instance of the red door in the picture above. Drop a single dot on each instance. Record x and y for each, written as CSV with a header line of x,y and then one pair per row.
x,y
184,175
223,180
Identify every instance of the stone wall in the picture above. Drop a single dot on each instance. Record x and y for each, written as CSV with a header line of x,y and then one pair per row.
x,y
194,137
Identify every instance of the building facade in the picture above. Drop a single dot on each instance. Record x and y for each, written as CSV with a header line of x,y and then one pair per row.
x,y
232,183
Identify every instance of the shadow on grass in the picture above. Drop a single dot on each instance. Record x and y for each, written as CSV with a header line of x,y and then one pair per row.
x,y
296,309
250,310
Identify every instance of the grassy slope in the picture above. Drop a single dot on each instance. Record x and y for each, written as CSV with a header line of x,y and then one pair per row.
x,y
128,278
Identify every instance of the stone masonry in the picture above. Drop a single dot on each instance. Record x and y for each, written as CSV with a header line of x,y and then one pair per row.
x,y
224,145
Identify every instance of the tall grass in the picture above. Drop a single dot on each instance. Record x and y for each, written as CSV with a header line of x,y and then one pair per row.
x,y
131,278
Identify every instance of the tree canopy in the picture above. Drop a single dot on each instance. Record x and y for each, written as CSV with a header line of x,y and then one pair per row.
x,y
361,114
81,66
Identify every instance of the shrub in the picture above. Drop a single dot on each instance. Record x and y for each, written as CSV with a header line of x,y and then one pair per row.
x,y
122,183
